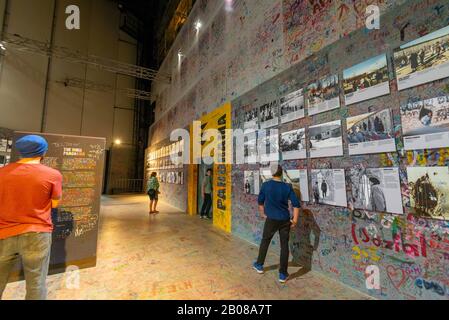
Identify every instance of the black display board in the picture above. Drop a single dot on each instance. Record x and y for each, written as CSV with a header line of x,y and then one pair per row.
x,y
5,146
81,162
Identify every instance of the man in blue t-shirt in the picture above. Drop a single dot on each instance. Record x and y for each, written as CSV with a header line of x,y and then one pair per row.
x,y
274,207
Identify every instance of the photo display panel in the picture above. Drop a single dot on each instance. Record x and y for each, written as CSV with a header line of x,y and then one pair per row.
x,y
269,114
329,187
326,140
251,119
292,106
293,144
300,182
366,80
268,146
251,182
429,192
323,95
376,189
81,163
423,60
371,133
425,124
5,146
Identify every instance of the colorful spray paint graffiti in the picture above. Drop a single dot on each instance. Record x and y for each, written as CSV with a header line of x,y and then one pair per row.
x,y
320,38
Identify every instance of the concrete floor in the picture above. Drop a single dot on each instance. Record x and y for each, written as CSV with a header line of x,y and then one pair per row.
x,y
174,256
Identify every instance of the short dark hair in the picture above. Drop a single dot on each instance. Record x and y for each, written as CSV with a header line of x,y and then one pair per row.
x,y
279,172
153,174
209,170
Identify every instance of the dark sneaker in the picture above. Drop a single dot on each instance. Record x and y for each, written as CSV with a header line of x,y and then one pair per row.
x,y
283,277
258,267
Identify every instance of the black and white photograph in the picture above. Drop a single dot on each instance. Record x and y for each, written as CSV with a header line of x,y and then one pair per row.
x,y
251,120
251,182
268,146
429,192
425,124
366,80
292,106
269,115
329,187
323,95
376,189
250,148
326,140
293,145
300,182
371,133
423,60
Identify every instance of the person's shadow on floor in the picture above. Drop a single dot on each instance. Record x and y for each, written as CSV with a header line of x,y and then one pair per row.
x,y
301,246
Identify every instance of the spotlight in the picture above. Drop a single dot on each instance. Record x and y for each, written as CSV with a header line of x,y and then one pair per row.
x,y
118,142
198,25
2,46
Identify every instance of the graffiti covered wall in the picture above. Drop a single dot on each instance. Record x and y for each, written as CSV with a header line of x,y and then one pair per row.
x,y
411,253
255,51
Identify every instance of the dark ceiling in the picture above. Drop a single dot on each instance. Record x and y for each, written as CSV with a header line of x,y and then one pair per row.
x,y
146,10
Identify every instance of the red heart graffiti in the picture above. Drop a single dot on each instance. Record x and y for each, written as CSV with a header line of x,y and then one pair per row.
x,y
397,276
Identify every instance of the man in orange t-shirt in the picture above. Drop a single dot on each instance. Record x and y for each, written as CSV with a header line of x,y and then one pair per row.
x,y
28,192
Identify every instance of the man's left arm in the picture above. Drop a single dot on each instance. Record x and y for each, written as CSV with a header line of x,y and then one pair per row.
x,y
56,193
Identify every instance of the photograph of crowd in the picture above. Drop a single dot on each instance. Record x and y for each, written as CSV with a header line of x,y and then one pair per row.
x,y
292,106
423,60
326,140
423,118
300,182
429,191
323,95
251,182
293,145
366,80
364,129
251,119
377,190
329,187
269,115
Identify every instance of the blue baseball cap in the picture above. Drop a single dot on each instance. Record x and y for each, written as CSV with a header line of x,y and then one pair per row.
x,y
32,146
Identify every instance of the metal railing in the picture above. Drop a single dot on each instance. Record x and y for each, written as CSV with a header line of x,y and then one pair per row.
x,y
120,186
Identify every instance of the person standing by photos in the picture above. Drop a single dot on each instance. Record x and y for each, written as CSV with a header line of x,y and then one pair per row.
x,y
28,192
206,191
153,192
273,202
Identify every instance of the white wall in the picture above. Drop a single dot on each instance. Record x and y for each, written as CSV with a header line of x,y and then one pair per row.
x,y
23,76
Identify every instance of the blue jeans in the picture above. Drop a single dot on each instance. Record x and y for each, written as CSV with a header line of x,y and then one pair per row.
x,y
34,249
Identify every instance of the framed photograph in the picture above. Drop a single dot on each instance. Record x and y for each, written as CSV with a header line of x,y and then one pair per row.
x,y
326,140
292,106
329,187
293,145
371,133
377,189
269,115
366,80
300,182
425,124
251,120
251,183
268,147
429,192
323,95
423,60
